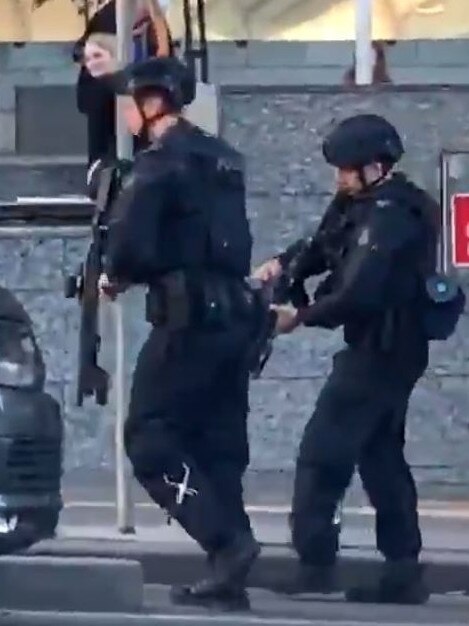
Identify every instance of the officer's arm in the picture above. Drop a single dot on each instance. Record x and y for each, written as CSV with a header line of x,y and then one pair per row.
x,y
134,231
367,276
310,254
310,250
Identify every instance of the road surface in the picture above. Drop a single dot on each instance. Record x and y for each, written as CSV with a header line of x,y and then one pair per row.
x,y
267,610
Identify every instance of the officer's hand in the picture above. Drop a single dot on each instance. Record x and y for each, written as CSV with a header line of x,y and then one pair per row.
x,y
268,271
108,288
287,319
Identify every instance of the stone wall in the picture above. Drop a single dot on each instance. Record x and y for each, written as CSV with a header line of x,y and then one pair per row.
x,y
289,185
280,131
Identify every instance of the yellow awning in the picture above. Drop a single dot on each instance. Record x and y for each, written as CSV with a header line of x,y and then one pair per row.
x,y
55,21
328,20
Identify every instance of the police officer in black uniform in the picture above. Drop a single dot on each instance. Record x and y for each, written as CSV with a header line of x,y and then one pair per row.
x,y
179,226
373,242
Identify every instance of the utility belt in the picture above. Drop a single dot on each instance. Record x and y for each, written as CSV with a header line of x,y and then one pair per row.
x,y
180,300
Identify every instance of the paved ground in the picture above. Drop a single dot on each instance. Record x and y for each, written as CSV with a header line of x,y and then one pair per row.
x,y
168,556
266,605
443,529
90,511
267,609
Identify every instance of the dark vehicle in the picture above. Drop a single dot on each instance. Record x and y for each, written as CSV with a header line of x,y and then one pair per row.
x,y
31,433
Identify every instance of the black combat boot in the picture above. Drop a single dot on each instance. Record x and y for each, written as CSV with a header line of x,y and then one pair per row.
x,y
308,579
402,582
225,588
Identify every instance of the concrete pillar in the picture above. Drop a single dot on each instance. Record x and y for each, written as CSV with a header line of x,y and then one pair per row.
x,y
363,38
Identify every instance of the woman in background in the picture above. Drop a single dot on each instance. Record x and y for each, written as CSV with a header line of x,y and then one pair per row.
x,y
151,38
97,103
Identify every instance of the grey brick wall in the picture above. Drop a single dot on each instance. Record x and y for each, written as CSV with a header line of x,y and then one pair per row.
x,y
289,186
280,131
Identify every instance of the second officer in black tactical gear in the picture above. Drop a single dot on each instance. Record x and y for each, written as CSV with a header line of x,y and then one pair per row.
x,y
179,226
373,242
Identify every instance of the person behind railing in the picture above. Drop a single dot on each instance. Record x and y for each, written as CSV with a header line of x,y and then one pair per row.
x,y
96,53
380,74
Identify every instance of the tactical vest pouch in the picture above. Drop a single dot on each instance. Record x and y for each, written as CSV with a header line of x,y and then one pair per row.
x,y
444,304
167,302
214,306
263,328
177,302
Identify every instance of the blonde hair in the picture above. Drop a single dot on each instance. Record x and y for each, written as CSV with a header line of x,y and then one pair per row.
x,y
105,41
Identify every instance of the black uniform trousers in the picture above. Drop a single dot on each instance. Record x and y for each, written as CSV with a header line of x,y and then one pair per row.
x,y
359,422
188,416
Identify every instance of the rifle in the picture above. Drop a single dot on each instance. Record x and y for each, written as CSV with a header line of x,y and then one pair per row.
x,y
262,344
93,380
284,289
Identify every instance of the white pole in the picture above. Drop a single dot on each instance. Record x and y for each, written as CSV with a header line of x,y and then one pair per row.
x,y
125,10
363,40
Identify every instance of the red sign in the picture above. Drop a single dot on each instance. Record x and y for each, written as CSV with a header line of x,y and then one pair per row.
x,y
460,230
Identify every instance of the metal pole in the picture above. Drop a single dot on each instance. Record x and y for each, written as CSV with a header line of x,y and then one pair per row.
x,y
363,40
125,11
443,243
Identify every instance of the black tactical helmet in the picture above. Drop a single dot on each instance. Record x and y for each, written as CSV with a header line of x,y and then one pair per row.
x,y
161,74
361,140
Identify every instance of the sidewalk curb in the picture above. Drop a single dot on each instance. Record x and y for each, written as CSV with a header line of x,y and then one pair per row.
x,y
431,510
175,565
83,583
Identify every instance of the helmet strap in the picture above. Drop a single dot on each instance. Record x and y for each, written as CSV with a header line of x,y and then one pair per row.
x,y
147,122
361,178
385,169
